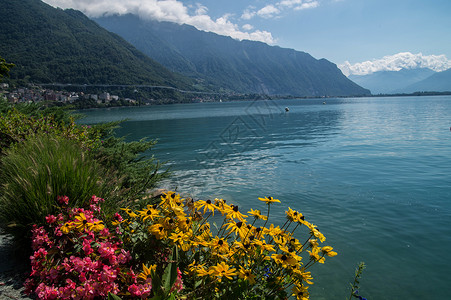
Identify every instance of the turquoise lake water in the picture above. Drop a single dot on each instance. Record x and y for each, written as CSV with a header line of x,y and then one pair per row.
x,y
373,173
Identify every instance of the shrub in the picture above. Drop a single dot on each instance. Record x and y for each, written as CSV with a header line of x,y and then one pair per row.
x,y
139,172
36,171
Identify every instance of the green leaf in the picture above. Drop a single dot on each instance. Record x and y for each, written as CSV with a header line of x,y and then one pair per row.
x,y
113,297
170,273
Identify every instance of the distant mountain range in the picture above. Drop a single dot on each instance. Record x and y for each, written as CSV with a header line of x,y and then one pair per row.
x,y
405,81
53,45
242,66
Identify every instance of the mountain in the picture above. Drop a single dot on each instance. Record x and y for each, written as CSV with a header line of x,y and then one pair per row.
x,y
240,66
438,82
54,45
388,82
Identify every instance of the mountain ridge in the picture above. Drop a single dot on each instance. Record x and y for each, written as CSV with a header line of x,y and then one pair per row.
x,y
387,82
54,45
244,66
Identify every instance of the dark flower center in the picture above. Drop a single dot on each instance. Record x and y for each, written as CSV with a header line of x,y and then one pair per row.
x,y
220,242
284,257
208,201
239,224
235,208
85,221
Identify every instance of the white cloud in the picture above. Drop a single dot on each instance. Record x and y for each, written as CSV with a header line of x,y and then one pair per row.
x,y
269,11
247,27
248,13
165,10
403,60
275,10
308,5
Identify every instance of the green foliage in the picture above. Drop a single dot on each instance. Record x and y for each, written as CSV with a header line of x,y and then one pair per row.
x,y
140,172
35,172
355,286
137,171
53,45
4,67
17,126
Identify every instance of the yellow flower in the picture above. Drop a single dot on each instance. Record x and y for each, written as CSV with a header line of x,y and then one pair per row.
x,y
96,226
284,259
269,200
223,270
66,227
219,244
246,274
130,212
257,214
207,205
184,223
315,232
158,231
306,276
239,228
147,271
148,213
272,231
81,223
264,246
328,251
234,213
202,271
300,292
294,216
314,254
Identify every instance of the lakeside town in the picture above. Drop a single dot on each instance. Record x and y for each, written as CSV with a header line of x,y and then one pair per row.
x,y
39,94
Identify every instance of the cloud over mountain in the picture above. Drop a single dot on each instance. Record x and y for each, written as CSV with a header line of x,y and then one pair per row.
x,y
403,60
166,10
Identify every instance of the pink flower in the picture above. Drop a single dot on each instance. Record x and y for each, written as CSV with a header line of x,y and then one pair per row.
x,y
178,284
106,250
108,274
63,200
118,217
134,290
87,247
50,219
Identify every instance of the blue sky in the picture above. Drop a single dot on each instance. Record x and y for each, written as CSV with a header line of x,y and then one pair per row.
x,y
353,31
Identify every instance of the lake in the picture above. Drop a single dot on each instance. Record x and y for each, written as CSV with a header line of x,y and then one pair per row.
x,y
373,173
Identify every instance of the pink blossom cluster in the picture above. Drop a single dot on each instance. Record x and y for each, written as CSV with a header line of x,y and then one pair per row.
x,y
81,264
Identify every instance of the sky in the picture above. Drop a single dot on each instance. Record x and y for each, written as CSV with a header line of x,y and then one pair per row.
x,y
360,36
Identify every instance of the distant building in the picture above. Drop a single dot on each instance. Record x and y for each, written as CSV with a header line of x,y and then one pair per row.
x,y
105,97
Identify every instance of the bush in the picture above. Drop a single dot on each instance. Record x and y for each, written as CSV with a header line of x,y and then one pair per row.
x,y
138,171
41,168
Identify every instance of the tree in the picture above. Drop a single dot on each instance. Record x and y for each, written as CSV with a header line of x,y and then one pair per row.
x,y
4,67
